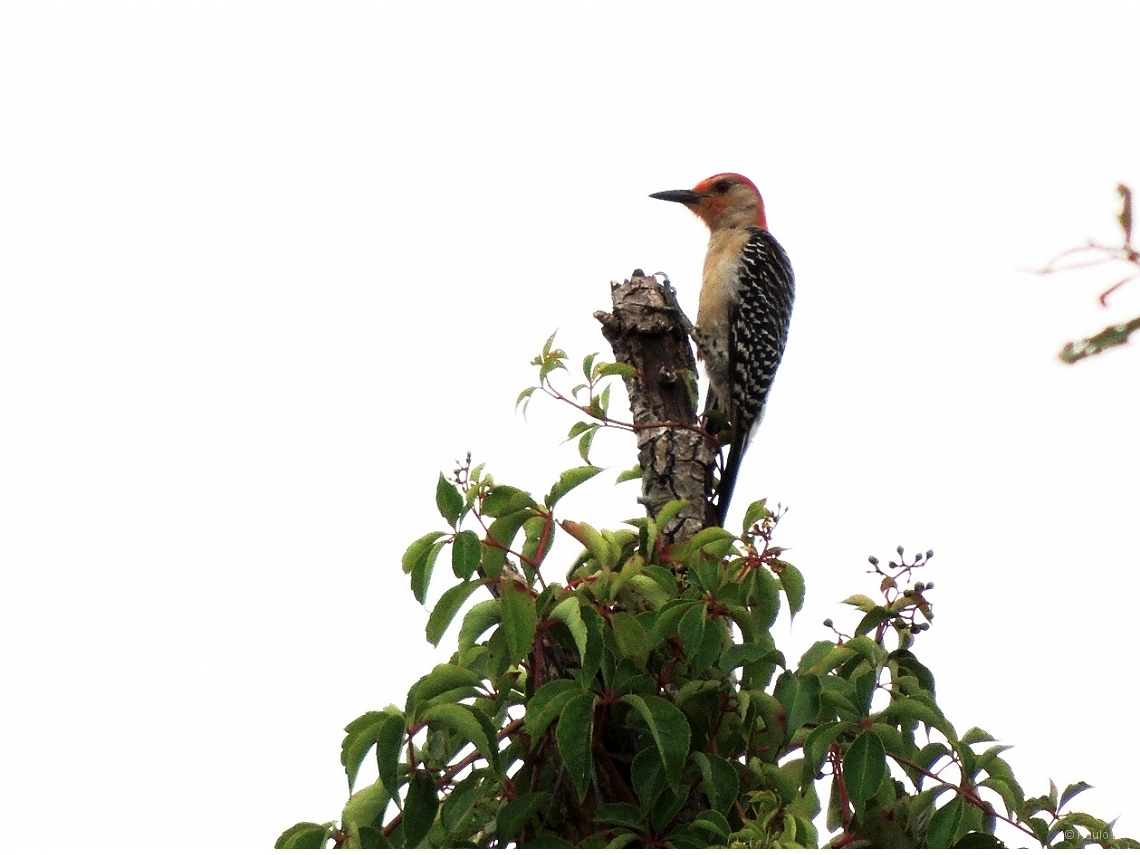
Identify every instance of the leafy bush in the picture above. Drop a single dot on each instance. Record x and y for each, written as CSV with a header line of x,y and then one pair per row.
x,y
639,699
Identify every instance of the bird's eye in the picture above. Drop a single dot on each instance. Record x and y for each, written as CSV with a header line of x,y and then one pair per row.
x,y
722,186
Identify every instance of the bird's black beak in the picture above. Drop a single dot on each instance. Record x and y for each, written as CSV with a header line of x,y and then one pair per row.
x,y
685,197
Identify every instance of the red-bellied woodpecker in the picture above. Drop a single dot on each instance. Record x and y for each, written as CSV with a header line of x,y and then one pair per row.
x,y
744,309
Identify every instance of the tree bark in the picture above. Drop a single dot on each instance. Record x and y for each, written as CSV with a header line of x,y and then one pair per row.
x,y
676,456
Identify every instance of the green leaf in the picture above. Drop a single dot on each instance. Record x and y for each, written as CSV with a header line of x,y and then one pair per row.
x,y
585,441
864,767
514,816
469,723
620,813
503,500
445,610
740,654
1073,790
976,734
304,835
979,840
943,828
632,474
361,736
715,824
1009,790
575,736
389,741
648,776
569,611
862,602
519,620
691,628
757,511
502,533
443,678
794,586
449,500
524,398
548,703
365,806
669,511
800,697
719,780
592,539
612,369
568,480
420,808
631,638
713,541
466,550
670,731
479,618
818,745
419,559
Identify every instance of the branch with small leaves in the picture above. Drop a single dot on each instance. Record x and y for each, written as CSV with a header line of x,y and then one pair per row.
x,y
1095,254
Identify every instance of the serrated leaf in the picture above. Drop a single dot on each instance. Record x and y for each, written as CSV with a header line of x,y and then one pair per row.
x,y
1073,790
719,780
1010,792
448,499
714,823
817,746
466,550
632,474
524,398
691,628
419,559
943,828
864,767
620,813
569,611
649,589
548,703
794,586
420,807
469,723
304,835
519,620
360,736
756,511
568,480
862,602
442,678
445,610
631,638
592,539
479,618
503,500
389,742
669,729
615,369
574,736
588,363
740,654
979,840
669,511
976,734
800,698
364,806
585,441
713,540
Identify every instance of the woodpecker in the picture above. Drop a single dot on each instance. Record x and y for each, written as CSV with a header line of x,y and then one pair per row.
x,y
743,313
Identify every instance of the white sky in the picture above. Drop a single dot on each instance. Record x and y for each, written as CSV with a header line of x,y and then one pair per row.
x,y
265,271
